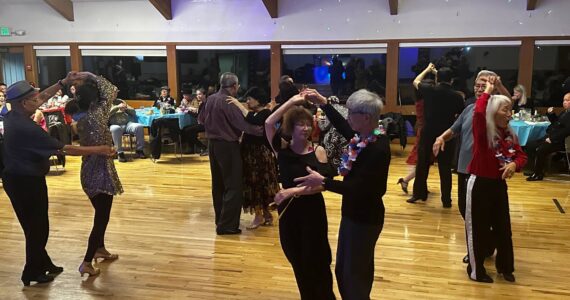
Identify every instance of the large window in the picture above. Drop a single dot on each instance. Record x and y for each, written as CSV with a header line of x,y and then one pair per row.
x,y
465,59
550,68
12,64
138,72
337,69
201,67
53,64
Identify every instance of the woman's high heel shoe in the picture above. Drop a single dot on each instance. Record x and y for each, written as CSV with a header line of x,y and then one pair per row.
x,y
105,255
88,269
257,221
403,184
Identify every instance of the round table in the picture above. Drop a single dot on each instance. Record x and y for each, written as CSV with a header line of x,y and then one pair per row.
x,y
146,118
529,131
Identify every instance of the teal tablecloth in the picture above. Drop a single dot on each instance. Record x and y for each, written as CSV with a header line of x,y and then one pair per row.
x,y
529,131
144,118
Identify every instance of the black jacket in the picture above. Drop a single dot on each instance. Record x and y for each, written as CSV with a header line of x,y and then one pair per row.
x,y
559,128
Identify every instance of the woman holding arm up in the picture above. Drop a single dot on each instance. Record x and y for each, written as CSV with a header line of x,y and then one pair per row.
x,y
497,155
365,170
259,168
303,225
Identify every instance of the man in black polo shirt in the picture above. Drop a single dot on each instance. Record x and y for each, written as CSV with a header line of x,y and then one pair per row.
x,y
27,149
442,105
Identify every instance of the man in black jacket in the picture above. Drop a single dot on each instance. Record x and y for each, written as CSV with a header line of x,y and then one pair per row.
x,y
556,133
442,105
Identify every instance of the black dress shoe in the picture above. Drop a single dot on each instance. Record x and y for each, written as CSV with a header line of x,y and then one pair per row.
x,y
53,269
466,259
42,278
414,199
535,177
227,232
483,278
446,204
509,277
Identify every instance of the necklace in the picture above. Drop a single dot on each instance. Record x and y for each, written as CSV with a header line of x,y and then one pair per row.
x,y
354,148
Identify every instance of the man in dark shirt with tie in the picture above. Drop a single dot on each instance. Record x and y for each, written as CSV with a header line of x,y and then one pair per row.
x,y
224,124
442,105
556,133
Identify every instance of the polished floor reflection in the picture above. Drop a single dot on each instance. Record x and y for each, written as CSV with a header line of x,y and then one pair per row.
x,y
163,230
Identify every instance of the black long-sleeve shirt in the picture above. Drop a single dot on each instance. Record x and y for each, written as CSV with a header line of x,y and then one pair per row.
x,y
559,128
363,187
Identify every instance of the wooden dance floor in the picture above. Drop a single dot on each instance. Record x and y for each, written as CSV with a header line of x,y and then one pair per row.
x,y
163,229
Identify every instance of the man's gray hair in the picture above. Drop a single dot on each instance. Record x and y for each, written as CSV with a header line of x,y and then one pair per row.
x,y
228,79
366,102
485,73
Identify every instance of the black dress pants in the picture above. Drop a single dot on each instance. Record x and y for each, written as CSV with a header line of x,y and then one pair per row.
x,y
227,191
190,135
538,152
303,232
29,197
443,163
487,205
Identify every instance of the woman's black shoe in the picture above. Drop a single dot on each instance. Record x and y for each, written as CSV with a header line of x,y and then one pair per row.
x,y
42,278
535,177
466,259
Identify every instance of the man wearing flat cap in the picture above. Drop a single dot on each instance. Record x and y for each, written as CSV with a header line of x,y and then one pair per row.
x,y
27,149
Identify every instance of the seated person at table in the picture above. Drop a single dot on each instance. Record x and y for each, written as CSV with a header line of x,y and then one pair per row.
x,y
184,106
4,106
190,133
121,120
558,130
58,100
164,98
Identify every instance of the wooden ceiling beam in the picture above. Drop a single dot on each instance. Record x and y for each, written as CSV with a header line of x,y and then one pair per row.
x,y
63,7
272,6
164,7
393,7
531,4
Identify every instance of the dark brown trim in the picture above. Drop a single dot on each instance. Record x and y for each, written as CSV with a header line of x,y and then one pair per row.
x,y
30,64
531,4
164,7
392,61
272,7
75,57
526,60
172,70
276,65
63,7
393,7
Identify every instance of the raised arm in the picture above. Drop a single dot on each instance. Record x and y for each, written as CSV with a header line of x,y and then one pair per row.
x,y
337,120
501,88
429,69
271,122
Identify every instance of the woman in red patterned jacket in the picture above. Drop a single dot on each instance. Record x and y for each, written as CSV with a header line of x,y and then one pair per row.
x,y
496,157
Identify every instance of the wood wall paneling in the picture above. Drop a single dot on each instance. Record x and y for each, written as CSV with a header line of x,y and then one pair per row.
x,y
172,70
526,60
76,60
30,64
276,65
392,57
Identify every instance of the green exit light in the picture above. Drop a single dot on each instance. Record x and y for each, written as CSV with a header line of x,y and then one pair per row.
x,y
5,31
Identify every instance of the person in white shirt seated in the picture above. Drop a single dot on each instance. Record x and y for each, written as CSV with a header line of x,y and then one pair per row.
x,y
122,121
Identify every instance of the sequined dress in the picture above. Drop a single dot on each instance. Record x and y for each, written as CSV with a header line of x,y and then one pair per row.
x,y
98,173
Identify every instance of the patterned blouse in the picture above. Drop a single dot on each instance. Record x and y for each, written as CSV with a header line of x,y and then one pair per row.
x,y
98,173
